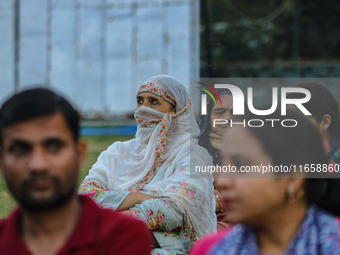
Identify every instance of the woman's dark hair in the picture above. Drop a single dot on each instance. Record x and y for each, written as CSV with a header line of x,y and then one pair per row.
x,y
34,103
205,127
322,102
298,146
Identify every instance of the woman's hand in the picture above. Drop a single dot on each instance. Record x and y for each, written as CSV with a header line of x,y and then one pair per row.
x,y
127,212
133,199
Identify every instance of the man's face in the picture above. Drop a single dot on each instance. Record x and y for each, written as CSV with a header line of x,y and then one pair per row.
x,y
40,162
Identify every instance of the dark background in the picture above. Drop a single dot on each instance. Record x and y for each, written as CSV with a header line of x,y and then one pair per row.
x,y
277,38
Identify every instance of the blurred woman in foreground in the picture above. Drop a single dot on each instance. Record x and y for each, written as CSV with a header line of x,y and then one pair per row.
x,y
282,213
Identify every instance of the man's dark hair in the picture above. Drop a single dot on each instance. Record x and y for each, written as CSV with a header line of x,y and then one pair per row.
x,y
34,103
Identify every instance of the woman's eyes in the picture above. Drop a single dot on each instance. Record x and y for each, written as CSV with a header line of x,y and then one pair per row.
x,y
222,111
154,101
219,111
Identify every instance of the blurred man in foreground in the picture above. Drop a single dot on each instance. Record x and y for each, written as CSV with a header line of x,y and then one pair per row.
x,y
40,158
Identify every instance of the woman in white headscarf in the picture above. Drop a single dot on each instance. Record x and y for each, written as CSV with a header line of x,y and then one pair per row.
x,y
150,174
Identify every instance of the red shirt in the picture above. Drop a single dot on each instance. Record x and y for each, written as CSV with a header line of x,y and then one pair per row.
x,y
98,232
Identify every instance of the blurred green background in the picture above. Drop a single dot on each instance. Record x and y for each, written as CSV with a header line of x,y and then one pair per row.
x,y
277,38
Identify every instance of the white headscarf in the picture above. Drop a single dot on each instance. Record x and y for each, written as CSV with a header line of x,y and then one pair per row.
x,y
134,159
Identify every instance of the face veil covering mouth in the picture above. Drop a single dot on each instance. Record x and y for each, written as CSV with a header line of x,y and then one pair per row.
x,y
147,117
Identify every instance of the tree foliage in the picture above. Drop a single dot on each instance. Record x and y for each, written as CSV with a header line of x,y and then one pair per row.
x,y
270,31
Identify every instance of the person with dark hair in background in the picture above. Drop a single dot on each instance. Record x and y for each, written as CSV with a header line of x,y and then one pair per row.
x,y
281,213
211,139
211,136
40,159
325,112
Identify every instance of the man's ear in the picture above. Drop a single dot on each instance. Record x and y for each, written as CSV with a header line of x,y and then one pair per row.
x,y
1,162
82,152
325,122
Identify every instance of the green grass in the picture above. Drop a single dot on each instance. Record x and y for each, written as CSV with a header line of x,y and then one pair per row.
x,y
95,145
